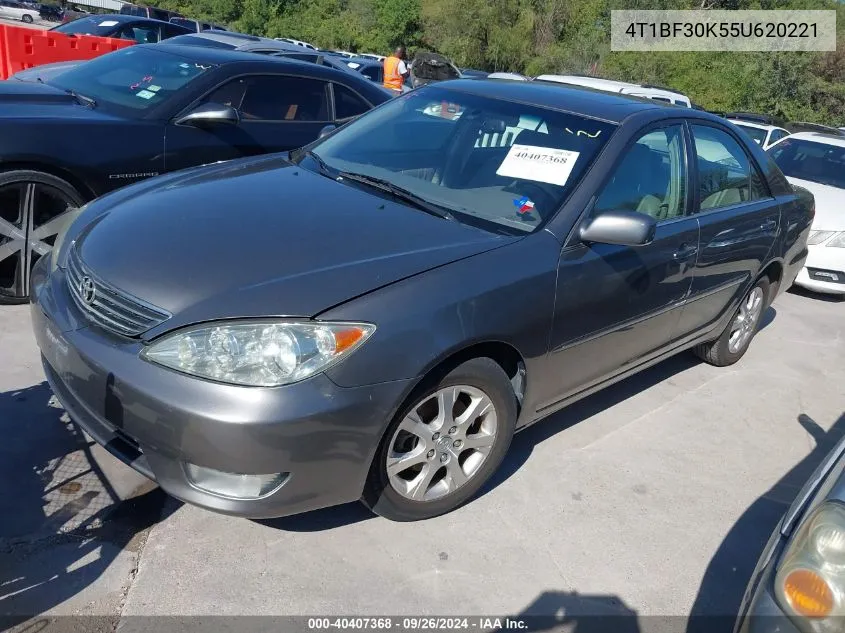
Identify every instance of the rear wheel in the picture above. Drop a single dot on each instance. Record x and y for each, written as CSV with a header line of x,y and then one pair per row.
x,y
33,209
27,19
444,445
737,337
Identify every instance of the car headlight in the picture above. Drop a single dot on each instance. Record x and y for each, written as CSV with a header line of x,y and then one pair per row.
x,y
810,581
265,353
838,241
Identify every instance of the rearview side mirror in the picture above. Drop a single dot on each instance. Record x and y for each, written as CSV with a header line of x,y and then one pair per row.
x,y
209,114
626,228
328,129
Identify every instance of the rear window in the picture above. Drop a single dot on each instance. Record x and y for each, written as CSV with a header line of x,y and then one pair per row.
x,y
807,160
99,25
500,165
757,134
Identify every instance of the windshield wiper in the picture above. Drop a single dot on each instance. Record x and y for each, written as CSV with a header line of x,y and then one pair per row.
x,y
322,165
82,99
401,193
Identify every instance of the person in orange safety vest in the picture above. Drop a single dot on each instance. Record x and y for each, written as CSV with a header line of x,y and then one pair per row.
x,y
396,70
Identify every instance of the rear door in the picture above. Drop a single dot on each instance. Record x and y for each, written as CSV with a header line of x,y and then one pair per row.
x,y
739,221
278,113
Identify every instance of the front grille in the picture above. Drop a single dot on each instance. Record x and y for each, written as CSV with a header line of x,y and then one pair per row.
x,y
831,276
107,306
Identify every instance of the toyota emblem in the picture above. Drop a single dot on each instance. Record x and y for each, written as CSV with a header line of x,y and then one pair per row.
x,y
87,290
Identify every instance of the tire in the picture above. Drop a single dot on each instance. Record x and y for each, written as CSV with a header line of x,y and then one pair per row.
x,y
473,450
27,19
726,350
32,204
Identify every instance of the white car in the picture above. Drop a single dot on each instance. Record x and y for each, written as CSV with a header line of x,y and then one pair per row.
x,y
296,43
14,10
817,162
379,58
635,90
764,135
511,76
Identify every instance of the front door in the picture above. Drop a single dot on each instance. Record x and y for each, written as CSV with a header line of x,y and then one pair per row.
x,y
616,305
278,113
739,222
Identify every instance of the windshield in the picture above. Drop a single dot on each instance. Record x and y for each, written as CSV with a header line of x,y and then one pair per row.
x,y
131,81
818,162
490,162
758,135
99,25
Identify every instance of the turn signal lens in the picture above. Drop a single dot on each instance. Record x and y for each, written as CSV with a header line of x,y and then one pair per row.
x,y
808,594
810,579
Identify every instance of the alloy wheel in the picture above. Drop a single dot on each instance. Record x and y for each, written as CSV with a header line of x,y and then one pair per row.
x,y
441,443
31,216
745,322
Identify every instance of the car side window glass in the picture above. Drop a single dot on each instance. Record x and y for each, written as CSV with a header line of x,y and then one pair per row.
x,y
230,94
140,34
279,98
725,174
347,104
777,135
651,178
171,31
373,73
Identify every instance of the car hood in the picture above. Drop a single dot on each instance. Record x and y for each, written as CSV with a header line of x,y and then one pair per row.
x,y
34,100
45,71
830,204
262,237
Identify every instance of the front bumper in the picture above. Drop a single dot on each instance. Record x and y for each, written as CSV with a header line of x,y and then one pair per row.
x,y
824,270
156,420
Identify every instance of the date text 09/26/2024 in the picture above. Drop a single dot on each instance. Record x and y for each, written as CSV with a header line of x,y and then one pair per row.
x,y
422,623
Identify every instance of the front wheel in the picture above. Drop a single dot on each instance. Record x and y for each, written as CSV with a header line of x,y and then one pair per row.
x,y
26,19
735,340
444,445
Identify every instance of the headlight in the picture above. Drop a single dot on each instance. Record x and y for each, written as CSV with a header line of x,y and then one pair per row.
x,y
67,220
817,237
258,353
810,581
838,241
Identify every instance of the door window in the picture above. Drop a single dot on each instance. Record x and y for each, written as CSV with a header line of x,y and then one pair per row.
x,y
171,31
777,135
651,178
347,104
274,98
725,174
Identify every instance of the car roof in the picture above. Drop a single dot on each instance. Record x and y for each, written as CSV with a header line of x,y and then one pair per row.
x,y
598,104
609,84
118,17
210,55
819,137
364,61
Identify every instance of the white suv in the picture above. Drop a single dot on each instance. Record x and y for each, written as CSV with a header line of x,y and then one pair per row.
x,y
635,90
816,162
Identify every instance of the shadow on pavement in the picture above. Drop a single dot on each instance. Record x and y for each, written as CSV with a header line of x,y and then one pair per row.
x,y
62,523
573,612
809,294
730,569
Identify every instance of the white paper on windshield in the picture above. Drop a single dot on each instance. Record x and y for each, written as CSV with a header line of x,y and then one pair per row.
x,y
145,94
152,88
542,164
108,23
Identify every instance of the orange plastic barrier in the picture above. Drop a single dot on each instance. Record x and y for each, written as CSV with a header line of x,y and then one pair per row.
x,y
22,47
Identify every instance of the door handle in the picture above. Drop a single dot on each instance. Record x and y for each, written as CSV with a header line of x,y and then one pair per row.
x,y
685,252
769,225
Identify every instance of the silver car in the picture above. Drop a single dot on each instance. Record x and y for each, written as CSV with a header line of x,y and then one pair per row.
x,y
14,10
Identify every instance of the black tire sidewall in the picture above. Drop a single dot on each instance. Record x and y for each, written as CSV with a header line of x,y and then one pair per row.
x,y
482,373
27,19
722,349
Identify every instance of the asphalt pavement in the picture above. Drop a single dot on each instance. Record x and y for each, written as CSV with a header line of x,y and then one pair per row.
x,y
653,497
